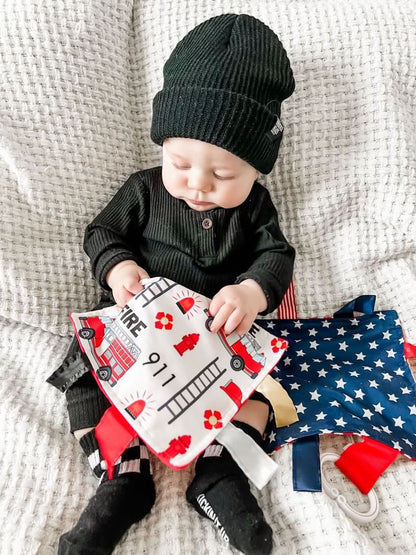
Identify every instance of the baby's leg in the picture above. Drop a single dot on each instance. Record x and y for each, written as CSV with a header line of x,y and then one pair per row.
x,y
220,490
117,503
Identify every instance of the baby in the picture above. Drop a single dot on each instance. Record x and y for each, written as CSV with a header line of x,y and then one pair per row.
x,y
203,221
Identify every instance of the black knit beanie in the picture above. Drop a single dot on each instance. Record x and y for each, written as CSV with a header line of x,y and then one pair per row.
x,y
224,84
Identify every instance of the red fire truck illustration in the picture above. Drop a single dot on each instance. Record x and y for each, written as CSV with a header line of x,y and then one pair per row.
x,y
121,353
245,352
93,328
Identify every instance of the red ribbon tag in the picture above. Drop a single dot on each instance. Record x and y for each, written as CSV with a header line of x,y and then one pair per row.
x,y
363,463
114,434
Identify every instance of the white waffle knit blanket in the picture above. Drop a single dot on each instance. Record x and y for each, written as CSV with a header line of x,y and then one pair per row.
x,y
77,80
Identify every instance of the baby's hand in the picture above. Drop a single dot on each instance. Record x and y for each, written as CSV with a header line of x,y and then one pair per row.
x,y
125,281
236,307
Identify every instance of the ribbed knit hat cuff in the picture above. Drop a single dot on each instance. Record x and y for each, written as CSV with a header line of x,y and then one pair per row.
x,y
221,117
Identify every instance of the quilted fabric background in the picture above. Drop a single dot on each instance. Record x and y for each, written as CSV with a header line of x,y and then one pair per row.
x,y
77,82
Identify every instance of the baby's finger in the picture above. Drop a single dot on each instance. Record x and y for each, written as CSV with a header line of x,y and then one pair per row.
x,y
233,321
143,274
135,287
244,325
221,317
122,297
215,304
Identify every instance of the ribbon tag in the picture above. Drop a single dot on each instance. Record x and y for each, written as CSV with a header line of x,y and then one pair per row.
x,y
250,457
283,407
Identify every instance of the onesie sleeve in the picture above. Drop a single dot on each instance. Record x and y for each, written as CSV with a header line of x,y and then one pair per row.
x,y
272,258
111,237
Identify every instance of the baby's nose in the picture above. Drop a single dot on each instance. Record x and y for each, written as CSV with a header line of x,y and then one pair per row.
x,y
199,182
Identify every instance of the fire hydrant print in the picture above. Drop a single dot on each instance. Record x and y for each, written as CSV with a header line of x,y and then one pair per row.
x,y
174,381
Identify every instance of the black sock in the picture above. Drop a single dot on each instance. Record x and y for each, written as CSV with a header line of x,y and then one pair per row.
x,y
220,491
116,505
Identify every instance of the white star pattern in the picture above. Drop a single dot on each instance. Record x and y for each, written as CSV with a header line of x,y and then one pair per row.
x,y
347,377
315,395
320,416
300,408
398,421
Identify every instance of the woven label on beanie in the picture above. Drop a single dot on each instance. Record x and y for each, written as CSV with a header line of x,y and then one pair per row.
x,y
175,382
277,130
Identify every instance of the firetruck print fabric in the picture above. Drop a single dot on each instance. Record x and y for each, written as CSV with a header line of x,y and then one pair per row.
x,y
347,375
175,382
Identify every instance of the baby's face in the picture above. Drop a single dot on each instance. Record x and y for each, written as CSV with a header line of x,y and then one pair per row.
x,y
205,176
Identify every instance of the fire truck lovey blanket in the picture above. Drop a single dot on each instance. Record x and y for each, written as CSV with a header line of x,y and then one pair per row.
x,y
175,383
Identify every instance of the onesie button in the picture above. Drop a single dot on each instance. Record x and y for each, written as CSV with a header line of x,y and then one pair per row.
x,y
207,223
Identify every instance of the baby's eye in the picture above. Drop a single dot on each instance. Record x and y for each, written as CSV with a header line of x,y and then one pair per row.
x,y
223,177
181,166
